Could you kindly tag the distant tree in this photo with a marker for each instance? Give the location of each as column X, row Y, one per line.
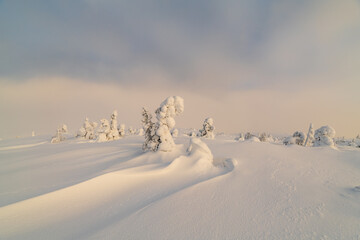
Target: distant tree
column 310, row 136
column 122, row 130
column 114, row 132
column 131, row 131
column 208, row 129
column 87, row 131
column 151, row 139
column 59, row 137
column 103, row 131
column 324, row 136
column 299, row 138
column 240, row 137
column 263, row 137
column 248, row 135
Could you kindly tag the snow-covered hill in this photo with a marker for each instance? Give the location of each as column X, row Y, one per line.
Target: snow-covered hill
column 112, row 190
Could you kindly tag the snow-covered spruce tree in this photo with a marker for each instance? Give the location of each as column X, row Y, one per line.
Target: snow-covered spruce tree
column 114, row 132
column 160, row 136
column 151, row 139
column 131, row 131
column 208, row 129
column 240, row 137
column 248, row 135
column 324, row 136
column 59, row 137
column 103, row 131
column 310, row 136
column 121, row 130
column 263, row 137
column 169, row 108
column 87, row 131
column 297, row 138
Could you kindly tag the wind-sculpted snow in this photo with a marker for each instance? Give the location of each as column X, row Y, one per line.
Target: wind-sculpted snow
column 203, row 189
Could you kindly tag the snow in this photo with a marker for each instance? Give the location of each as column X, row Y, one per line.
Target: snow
column 203, row 189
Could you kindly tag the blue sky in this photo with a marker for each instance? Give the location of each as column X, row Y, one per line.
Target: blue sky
column 266, row 53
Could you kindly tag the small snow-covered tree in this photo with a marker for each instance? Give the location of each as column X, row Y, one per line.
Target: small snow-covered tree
column 151, row 139
column 131, row 131
column 121, row 130
column 114, row 132
column 248, row 135
column 87, row 131
column 263, row 137
column 324, row 136
column 310, row 136
column 297, row 138
column 208, row 129
column 103, row 131
column 59, row 137
column 240, row 137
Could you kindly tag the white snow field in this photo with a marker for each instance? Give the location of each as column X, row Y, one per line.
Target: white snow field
column 112, row 190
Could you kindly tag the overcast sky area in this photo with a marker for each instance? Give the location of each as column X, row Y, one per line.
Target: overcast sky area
column 252, row 65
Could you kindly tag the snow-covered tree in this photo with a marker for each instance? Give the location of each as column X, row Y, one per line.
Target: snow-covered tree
column 208, row 129
column 248, row 135
column 87, row 131
column 324, row 136
column 169, row 108
column 122, row 130
column 240, row 137
column 114, row 132
column 158, row 136
column 59, row 134
column 131, row 131
column 175, row 133
column 310, row 136
column 151, row 139
column 297, row 138
column 33, row 133
column 103, row 131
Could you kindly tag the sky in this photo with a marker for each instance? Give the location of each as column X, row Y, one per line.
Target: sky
column 253, row 65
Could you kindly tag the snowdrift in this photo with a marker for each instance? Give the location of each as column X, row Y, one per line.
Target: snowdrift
column 204, row 189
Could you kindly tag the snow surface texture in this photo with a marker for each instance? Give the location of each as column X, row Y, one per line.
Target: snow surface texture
column 209, row 189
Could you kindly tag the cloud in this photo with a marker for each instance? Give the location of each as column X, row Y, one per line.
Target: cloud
column 258, row 55
column 274, row 42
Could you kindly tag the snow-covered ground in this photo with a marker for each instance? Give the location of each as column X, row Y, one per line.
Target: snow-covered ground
column 112, row 190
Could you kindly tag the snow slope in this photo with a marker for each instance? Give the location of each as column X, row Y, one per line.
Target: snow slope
column 112, row 190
